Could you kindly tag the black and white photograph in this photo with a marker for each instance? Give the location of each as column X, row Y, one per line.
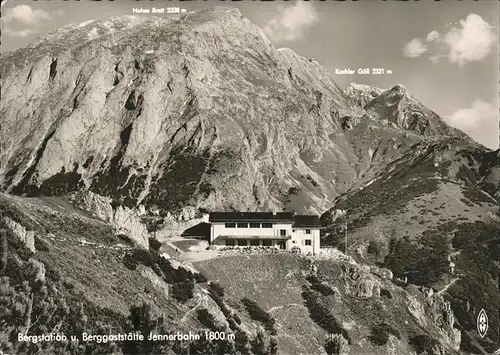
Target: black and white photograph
column 249, row 177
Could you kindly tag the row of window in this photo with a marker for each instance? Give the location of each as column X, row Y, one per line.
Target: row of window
column 257, row 225
column 265, row 243
column 252, row 243
column 245, row 225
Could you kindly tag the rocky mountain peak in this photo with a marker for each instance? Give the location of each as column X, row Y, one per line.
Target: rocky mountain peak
column 401, row 109
column 120, row 106
column 361, row 94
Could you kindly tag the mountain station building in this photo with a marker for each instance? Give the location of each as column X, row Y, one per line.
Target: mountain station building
column 283, row 230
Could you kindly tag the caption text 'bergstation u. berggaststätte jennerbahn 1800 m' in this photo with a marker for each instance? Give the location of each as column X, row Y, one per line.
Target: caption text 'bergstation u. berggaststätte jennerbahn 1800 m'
column 254, row 178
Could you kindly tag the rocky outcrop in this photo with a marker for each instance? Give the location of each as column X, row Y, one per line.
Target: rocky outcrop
column 38, row 270
column 27, row 237
column 364, row 288
column 416, row 309
column 98, row 205
column 402, row 110
column 361, row 94
column 431, row 310
column 359, row 282
column 125, row 220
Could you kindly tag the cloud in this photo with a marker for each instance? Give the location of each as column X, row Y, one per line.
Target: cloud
column 432, row 36
column 414, row 48
column 473, row 116
column 479, row 120
column 464, row 41
column 19, row 33
column 473, row 40
column 292, row 23
column 24, row 15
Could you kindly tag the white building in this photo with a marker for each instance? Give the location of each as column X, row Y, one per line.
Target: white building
column 283, row 230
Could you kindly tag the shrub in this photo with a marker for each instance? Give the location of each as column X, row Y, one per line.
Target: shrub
column 182, row 274
column 293, row 190
column 376, row 247
column 41, row 244
column 258, row 344
column 208, row 320
column 125, row 238
column 154, row 243
column 336, row 344
column 218, row 289
column 167, row 269
column 385, row 293
column 129, row 262
column 52, row 274
column 317, row 285
column 424, row 344
column 258, row 314
column 183, row 291
column 272, row 349
column 200, row 278
column 423, row 263
column 241, row 342
column 139, row 256
column 380, row 334
column 157, row 270
column 321, row 314
column 144, row 257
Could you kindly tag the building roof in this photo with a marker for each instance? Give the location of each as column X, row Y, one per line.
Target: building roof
column 301, row 220
column 251, row 216
column 295, row 219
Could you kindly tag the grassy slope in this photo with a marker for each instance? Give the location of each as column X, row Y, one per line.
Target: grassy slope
column 276, row 283
column 272, row 281
column 95, row 271
column 79, row 276
column 432, row 204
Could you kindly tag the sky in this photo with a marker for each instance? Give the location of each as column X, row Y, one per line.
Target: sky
column 445, row 53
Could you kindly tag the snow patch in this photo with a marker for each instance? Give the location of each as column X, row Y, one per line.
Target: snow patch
column 80, row 25
column 93, row 34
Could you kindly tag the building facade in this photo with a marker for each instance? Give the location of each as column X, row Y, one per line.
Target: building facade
column 283, row 230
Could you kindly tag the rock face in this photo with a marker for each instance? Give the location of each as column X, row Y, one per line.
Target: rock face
column 401, row 109
column 158, row 111
column 360, row 94
column 25, row 236
column 125, row 220
column 38, row 270
column 181, row 111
